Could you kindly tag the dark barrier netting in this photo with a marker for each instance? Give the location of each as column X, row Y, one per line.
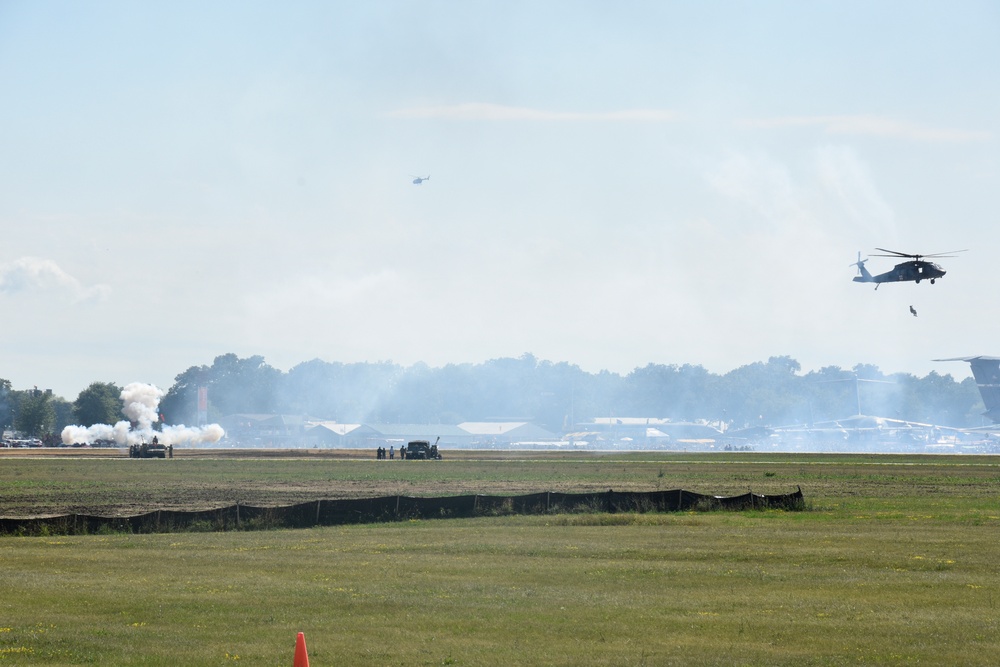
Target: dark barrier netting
column 691, row 500
column 57, row 524
column 430, row 508
column 360, row 510
column 394, row 508
column 222, row 518
column 302, row 515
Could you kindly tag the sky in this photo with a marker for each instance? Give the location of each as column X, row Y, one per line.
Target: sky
column 612, row 184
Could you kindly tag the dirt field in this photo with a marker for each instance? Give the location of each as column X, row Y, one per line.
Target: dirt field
column 105, row 482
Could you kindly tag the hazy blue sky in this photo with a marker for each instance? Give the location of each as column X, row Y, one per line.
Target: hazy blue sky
column 613, row 183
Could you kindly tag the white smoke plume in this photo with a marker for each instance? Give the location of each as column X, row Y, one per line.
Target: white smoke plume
column 141, row 406
column 141, row 403
column 179, row 434
column 89, row 434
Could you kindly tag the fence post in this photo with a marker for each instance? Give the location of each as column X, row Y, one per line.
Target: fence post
column 237, row 514
column 318, row 501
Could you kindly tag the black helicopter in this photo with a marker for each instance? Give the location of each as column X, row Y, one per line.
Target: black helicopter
column 914, row 270
column 417, row 180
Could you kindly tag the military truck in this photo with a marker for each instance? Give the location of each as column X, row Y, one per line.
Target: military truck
column 421, row 449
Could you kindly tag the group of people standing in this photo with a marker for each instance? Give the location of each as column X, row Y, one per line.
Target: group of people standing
column 381, row 452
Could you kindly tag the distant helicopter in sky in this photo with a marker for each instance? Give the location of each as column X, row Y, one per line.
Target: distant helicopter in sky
column 914, row 270
column 417, row 180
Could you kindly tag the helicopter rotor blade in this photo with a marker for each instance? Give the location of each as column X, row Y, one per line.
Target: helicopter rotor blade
column 947, row 254
column 895, row 253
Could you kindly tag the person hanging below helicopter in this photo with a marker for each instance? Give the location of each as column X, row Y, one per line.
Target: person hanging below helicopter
column 913, row 311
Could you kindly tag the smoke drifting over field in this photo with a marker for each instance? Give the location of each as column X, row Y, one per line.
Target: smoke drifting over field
column 141, row 403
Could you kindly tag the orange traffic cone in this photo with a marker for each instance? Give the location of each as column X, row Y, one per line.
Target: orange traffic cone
column 301, row 657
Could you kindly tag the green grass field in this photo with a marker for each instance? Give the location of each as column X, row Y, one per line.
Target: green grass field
column 895, row 562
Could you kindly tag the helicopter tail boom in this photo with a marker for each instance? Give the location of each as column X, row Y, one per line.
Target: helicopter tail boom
column 864, row 276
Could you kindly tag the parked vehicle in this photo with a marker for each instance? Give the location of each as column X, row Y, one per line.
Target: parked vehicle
column 150, row 450
column 421, row 449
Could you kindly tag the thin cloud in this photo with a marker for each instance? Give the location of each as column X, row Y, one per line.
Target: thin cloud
column 848, row 180
column 877, row 126
column 499, row 112
column 32, row 274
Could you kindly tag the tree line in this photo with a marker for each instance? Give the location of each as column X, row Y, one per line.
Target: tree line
column 557, row 396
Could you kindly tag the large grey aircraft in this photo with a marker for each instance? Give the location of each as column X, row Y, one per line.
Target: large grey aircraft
column 986, row 371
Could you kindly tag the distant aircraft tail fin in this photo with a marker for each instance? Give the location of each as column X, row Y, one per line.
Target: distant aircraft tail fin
column 986, row 371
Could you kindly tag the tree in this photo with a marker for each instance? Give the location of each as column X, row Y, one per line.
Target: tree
column 63, row 411
column 681, row 393
column 180, row 406
column 560, row 396
column 769, row 393
column 332, row 390
column 100, row 403
column 830, row 393
column 35, row 414
column 234, row 385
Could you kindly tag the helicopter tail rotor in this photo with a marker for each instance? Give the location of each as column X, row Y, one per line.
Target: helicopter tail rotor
column 863, row 275
column 860, row 263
